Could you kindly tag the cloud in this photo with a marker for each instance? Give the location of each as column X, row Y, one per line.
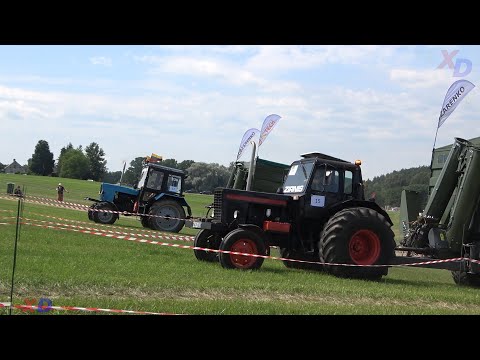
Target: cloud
column 282, row 58
column 101, row 60
column 416, row 79
column 225, row 71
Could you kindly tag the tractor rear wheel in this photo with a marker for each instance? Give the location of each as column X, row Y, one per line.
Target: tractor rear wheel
column 465, row 279
column 242, row 241
column 359, row 236
column 168, row 215
column 295, row 255
column 206, row 239
column 104, row 217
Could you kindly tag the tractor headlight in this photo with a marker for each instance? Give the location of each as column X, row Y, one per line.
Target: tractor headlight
column 213, row 213
column 268, row 212
column 235, row 214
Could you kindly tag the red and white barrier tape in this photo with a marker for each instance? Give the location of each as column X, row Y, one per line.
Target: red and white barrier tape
column 46, row 203
column 56, row 201
column 76, row 308
column 165, row 236
column 82, row 207
column 246, row 254
column 105, row 225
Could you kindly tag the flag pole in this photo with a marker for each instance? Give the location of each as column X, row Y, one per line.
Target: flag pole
column 433, row 149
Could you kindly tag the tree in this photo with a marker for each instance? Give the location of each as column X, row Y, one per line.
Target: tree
column 206, row 177
column 185, row 164
column 42, row 159
column 2, row 167
column 74, row 165
column 96, row 161
column 170, row 163
column 132, row 175
column 112, row 177
column 62, row 154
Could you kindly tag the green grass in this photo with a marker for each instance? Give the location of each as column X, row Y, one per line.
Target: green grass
column 75, row 269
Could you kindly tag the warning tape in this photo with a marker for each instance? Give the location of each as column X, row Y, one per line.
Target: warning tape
column 46, row 203
column 128, row 238
column 82, row 207
column 89, row 223
column 169, row 237
column 237, row 253
column 56, row 201
column 76, row 308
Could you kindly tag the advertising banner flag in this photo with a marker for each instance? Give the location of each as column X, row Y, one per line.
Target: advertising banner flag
column 268, row 124
column 247, row 137
column 455, row 94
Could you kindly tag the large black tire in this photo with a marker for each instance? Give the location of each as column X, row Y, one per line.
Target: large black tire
column 169, row 216
column 244, row 241
column 104, row 217
column 285, row 253
column 209, row 240
column 145, row 222
column 465, row 279
column 358, row 236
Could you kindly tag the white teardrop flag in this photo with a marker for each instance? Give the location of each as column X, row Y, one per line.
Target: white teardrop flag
column 268, row 124
column 455, row 94
column 247, row 137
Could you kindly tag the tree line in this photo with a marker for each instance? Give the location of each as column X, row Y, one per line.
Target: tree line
column 90, row 163
column 74, row 163
column 387, row 189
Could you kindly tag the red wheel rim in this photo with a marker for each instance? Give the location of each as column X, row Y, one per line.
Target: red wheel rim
column 364, row 247
column 243, row 246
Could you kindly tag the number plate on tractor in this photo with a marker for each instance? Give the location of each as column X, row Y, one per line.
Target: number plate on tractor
column 197, row 225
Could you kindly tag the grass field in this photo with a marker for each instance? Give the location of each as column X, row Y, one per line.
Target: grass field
column 84, row 270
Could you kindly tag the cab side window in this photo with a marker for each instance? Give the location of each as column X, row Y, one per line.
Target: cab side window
column 331, row 181
column 347, row 185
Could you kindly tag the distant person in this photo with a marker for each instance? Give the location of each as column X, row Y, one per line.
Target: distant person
column 18, row 192
column 60, row 191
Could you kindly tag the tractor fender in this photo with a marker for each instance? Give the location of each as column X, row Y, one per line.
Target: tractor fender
column 178, row 199
column 360, row 203
column 254, row 228
column 115, row 208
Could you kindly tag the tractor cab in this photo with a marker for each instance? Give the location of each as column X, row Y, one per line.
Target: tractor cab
column 320, row 181
column 156, row 181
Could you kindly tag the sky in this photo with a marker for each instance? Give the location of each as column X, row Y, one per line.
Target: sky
column 376, row 103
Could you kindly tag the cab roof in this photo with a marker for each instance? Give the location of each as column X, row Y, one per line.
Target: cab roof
column 166, row 168
column 322, row 156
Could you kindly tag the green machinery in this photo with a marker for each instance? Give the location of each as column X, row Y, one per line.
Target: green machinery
column 449, row 226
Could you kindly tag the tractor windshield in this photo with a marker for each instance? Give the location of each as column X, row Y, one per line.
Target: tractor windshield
column 297, row 178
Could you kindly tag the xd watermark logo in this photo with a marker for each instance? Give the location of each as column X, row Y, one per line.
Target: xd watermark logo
column 448, row 60
column 44, row 305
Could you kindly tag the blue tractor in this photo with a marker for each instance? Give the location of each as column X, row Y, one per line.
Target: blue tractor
column 157, row 198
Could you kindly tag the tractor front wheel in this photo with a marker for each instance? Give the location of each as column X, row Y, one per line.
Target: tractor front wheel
column 104, row 217
column 242, row 241
column 145, row 222
column 91, row 211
